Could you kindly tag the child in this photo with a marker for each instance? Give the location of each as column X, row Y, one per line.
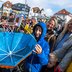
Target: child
column 39, row 57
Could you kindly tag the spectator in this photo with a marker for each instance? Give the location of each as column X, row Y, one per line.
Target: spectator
column 11, row 18
column 39, row 57
column 51, row 33
column 64, row 35
column 62, row 55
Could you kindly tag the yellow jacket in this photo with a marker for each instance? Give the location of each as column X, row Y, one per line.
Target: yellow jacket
column 27, row 29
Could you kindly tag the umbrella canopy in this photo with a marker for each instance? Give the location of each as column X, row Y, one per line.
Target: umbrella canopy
column 15, row 47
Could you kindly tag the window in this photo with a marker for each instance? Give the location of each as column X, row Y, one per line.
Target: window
column 23, row 8
column 19, row 5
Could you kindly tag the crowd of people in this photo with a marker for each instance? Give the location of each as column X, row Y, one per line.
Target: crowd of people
column 53, row 52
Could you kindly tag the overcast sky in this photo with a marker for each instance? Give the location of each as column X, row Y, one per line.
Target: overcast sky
column 50, row 6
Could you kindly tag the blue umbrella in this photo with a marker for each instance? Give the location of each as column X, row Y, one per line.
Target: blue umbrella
column 15, row 47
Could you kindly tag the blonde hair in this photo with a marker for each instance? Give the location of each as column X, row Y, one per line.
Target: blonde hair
column 55, row 20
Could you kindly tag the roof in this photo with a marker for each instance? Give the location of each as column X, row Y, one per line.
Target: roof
column 62, row 12
column 8, row 4
column 36, row 9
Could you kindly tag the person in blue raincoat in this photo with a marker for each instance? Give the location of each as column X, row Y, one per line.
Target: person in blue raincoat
column 39, row 57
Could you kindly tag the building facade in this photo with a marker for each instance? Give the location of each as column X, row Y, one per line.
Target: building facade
column 21, row 8
column 64, row 15
column 7, row 8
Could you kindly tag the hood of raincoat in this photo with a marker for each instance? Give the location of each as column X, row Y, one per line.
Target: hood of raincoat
column 44, row 29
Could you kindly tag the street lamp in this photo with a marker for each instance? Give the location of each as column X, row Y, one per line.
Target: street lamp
column 1, row 7
column 25, row 2
column 25, row 6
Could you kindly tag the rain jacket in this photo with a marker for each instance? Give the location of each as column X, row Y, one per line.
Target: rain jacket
column 35, row 61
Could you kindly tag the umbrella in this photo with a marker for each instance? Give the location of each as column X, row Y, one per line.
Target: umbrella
column 14, row 47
